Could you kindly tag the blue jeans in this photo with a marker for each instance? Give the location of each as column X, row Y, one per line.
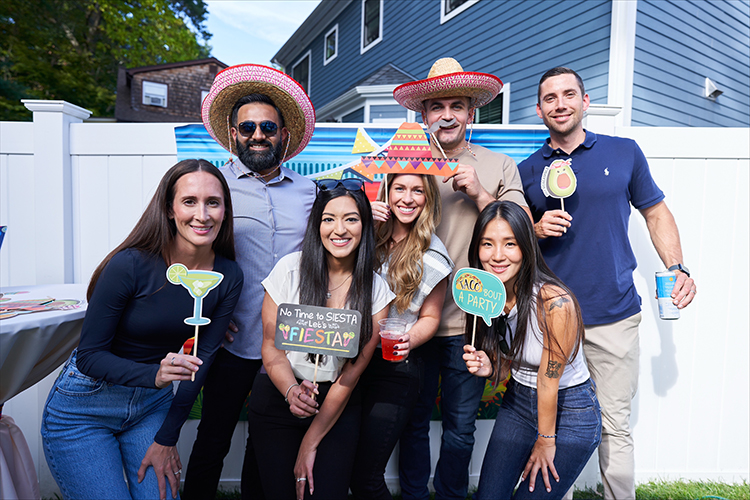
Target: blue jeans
column 579, row 431
column 461, row 393
column 92, row 430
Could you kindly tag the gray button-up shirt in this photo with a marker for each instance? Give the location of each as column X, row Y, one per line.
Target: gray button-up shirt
column 269, row 222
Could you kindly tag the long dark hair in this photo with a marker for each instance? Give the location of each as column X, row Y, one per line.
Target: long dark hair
column 314, row 264
column 534, row 271
column 155, row 231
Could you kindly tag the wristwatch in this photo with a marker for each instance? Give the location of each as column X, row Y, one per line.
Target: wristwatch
column 680, row 267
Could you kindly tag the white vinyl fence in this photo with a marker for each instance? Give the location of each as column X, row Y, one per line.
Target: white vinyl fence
column 71, row 191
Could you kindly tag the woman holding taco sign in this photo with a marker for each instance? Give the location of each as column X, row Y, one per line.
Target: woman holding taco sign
column 549, row 423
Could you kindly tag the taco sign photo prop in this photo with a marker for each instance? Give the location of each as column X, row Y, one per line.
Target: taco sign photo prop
column 318, row 330
column 479, row 293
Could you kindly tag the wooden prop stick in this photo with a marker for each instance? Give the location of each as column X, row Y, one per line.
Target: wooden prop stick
column 562, row 204
column 437, row 143
column 195, row 350
column 474, row 331
column 432, row 130
column 385, row 183
column 315, row 375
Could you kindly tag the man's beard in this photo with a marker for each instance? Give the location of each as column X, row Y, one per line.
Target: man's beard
column 258, row 161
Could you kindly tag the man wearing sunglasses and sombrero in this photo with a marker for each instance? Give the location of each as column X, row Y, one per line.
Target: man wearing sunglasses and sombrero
column 447, row 99
column 265, row 118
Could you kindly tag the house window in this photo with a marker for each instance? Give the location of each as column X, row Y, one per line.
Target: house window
column 204, row 93
column 387, row 113
column 155, row 94
column 496, row 111
column 331, row 45
column 301, row 72
column 372, row 24
column 451, row 8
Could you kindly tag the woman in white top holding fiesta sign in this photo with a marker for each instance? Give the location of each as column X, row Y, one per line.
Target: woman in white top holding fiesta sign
column 305, row 434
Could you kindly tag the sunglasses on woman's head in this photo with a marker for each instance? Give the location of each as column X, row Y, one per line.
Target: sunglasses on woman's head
column 348, row 184
column 268, row 128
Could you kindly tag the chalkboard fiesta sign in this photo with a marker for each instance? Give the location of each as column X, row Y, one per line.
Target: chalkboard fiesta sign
column 318, row 330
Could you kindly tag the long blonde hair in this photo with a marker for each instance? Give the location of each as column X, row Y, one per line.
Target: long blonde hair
column 405, row 258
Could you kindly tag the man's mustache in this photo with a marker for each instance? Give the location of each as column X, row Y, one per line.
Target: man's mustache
column 259, row 143
column 440, row 124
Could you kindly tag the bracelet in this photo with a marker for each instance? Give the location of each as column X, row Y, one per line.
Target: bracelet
column 553, row 436
column 286, row 396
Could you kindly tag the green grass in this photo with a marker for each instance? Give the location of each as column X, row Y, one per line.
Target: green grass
column 653, row 490
column 692, row 490
column 677, row 490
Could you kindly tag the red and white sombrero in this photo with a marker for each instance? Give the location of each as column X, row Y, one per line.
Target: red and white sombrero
column 238, row 81
column 448, row 79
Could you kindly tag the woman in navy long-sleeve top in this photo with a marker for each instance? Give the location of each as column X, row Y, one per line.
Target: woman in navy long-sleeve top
column 112, row 408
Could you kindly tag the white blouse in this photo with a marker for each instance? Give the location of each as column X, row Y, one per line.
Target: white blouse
column 283, row 287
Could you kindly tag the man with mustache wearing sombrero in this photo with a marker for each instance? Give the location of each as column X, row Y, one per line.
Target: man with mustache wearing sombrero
column 447, row 99
column 264, row 117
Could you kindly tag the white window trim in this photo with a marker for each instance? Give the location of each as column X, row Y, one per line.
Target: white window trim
column 444, row 18
column 362, row 48
column 307, row 54
column 325, row 45
column 160, row 86
column 505, row 96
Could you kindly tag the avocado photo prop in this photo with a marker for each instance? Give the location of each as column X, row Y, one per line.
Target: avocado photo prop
column 558, row 180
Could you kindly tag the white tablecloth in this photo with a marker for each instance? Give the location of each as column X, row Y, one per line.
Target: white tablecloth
column 34, row 344
column 31, row 346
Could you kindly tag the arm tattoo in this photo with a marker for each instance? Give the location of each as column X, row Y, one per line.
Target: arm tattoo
column 553, row 369
column 559, row 303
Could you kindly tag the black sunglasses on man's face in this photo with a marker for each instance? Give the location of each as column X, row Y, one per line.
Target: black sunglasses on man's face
column 248, row 128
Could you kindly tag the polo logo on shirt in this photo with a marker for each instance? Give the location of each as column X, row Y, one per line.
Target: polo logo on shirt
column 606, row 171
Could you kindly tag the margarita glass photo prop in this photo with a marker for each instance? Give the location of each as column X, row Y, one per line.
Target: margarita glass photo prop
column 479, row 293
column 408, row 153
column 318, row 330
column 559, row 181
column 198, row 283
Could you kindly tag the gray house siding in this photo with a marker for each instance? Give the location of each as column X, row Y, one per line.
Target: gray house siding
column 517, row 41
column 680, row 43
column 356, row 116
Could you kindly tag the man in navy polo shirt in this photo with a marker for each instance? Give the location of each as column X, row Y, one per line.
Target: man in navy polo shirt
column 587, row 246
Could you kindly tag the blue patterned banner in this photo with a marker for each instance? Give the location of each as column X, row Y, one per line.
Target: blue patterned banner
column 331, row 144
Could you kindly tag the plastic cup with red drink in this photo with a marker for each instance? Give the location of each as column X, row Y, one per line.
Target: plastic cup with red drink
column 391, row 330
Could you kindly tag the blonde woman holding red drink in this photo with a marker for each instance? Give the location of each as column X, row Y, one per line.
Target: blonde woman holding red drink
column 416, row 265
